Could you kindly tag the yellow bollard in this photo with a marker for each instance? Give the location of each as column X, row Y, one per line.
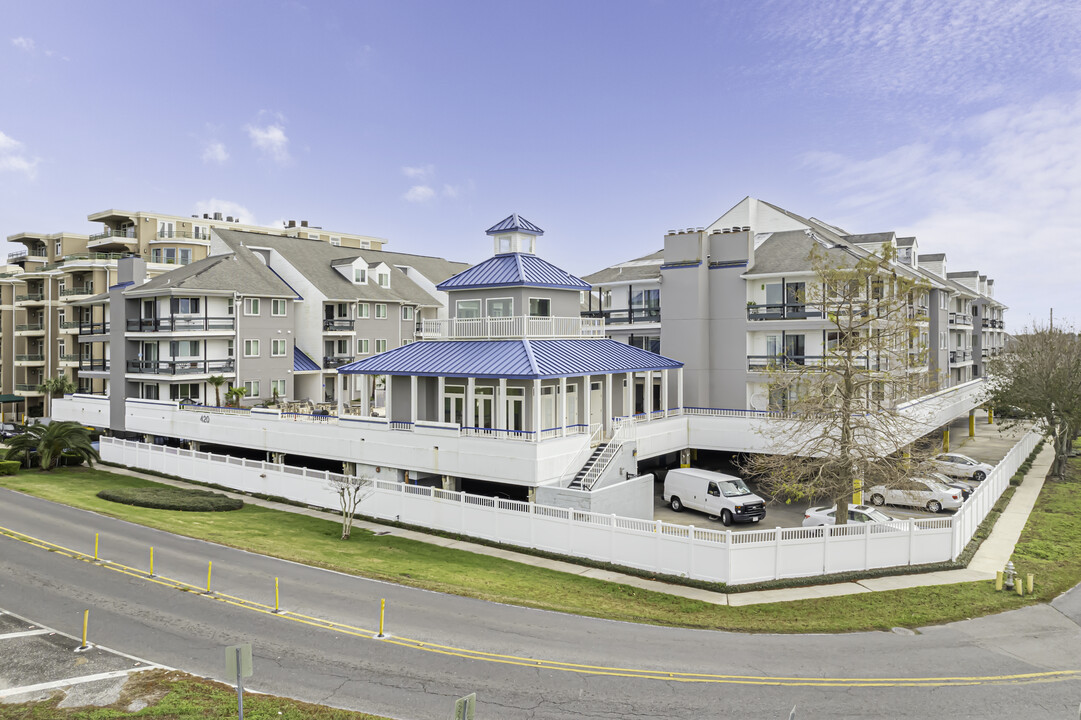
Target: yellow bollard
column 972, row 423
column 382, row 611
column 990, row 416
column 857, row 492
column 151, row 561
column 95, row 547
column 86, row 621
column 209, row 566
column 998, row 580
column 276, row 608
column 946, row 440
column 1019, row 586
column 1031, row 579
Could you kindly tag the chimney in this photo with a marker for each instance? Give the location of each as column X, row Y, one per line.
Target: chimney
column 217, row 216
column 206, row 216
column 303, row 223
column 228, row 218
column 292, row 224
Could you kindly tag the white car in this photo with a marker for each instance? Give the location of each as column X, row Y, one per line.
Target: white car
column 961, row 466
column 817, row 516
column 918, row 492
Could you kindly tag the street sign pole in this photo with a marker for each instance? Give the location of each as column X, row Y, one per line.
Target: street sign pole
column 239, row 686
column 238, row 662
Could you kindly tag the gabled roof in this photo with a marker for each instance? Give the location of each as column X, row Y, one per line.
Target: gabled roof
column 234, row 272
column 514, row 269
column 514, row 223
column 301, row 361
column 519, row 359
column 647, row 267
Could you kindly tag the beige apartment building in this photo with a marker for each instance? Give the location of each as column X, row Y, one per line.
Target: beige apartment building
column 39, row 322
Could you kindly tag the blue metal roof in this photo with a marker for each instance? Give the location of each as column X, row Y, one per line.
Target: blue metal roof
column 514, row 223
column 528, row 359
column 514, row 269
column 302, row 362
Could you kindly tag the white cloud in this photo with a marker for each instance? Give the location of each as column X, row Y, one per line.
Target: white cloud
column 271, row 140
column 24, row 43
column 421, row 173
column 14, row 159
column 215, row 153
column 226, row 208
column 419, row 194
column 1001, row 193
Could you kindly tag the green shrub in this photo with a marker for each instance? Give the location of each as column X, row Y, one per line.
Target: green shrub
column 9, row 467
column 172, row 498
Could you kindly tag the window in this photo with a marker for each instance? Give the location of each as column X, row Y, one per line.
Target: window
column 313, row 236
column 407, row 312
column 335, row 241
column 362, row 346
column 184, row 390
column 365, row 243
column 364, row 311
column 252, row 386
column 59, row 248
column 360, row 276
column 230, row 306
column 200, row 231
column 278, row 308
column 380, row 311
column 185, row 256
column 277, row 387
column 466, row 309
column 229, row 348
column 380, row 346
column 150, row 392
column 277, row 348
column 500, row 307
column 540, row 307
column 184, row 306
column 383, row 278
column 183, row 348
column 505, row 244
column 342, row 346
column 251, row 348
column 251, row 306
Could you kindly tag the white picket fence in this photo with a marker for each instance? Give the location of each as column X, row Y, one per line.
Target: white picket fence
column 655, row 546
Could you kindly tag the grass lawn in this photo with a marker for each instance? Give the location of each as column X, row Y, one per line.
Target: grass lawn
column 175, row 695
column 1049, row 548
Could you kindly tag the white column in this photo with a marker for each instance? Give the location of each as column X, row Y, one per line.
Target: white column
column 536, row 410
column 609, row 410
column 665, row 402
column 628, row 397
column 647, row 395
column 413, row 400
column 386, row 384
column 586, row 415
column 343, row 387
column 470, row 390
column 563, row 406
column 365, row 397
column 441, row 392
column 501, row 405
column 679, row 389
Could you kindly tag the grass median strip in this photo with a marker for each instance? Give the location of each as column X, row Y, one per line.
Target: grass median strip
column 1048, row 548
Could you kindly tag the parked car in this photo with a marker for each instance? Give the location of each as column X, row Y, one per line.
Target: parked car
column 9, row 430
column 966, row 487
column 716, row 494
column 827, row 515
column 961, row 466
column 918, row 492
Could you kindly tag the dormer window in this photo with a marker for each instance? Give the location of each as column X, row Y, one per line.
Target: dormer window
column 383, row 278
column 360, row 276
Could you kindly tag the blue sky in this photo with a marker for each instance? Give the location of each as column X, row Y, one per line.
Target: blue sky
column 606, row 123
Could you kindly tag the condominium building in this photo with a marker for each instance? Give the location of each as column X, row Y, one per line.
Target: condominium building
column 729, row 299
column 41, row 284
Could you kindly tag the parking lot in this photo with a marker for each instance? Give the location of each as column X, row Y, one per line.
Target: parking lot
column 990, row 445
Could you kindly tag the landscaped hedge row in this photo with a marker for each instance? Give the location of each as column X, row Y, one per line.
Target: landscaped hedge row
column 173, row 498
column 9, row 467
column 1023, row 469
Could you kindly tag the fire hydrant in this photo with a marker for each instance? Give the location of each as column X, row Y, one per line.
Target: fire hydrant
column 1010, row 575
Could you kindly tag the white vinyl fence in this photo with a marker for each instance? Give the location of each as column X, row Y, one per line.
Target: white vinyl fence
column 655, row 546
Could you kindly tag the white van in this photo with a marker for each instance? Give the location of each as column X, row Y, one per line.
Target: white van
column 716, row 494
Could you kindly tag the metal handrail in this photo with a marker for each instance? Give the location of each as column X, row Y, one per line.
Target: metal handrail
column 179, row 324
column 128, row 233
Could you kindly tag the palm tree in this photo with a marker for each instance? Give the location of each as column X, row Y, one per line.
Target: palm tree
column 51, row 442
column 58, row 386
column 235, row 395
column 217, row 381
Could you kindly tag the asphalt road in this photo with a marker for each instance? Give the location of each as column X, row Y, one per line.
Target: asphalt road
column 513, row 658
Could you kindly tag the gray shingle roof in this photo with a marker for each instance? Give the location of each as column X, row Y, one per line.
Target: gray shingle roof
column 236, row 272
column 789, row 251
column 647, row 267
column 871, row 238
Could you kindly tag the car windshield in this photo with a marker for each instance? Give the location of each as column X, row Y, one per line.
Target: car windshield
column 876, row 516
column 733, row 488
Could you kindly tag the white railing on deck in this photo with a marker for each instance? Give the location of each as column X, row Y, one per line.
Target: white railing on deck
column 518, row 326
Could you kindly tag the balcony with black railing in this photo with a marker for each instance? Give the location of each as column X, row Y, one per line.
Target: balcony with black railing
column 336, row 361
column 77, row 290
column 93, row 365
column 768, row 363
column 181, row 324
column 960, row 357
column 626, row 316
column 93, row 328
column 783, row 311
column 193, row 366
column 960, row 319
column 338, row 325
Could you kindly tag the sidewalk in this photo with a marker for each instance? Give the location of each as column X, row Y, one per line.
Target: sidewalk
column 992, row 555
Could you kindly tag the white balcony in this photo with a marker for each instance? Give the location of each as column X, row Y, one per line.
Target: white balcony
column 511, row 328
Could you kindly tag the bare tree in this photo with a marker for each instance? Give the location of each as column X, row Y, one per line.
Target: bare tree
column 1039, row 378
column 840, row 426
column 351, row 491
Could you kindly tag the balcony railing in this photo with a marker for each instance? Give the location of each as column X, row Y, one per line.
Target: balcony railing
column 93, row 328
column 30, row 297
column 181, row 324
column 110, row 233
column 83, row 256
column 960, row 319
column 919, row 314
column 27, row 387
column 337, row 361
column 783, row 311
column 84, row 290
column 93, row 365
column 518, row 326
column 626, row 317
column 960, row 356
column 339, row 325
column 182, row 234
column 29, row 327
column 69, row 357
column 69, row 324
column 31, row 357
column 182, row 367
column 758, row 363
